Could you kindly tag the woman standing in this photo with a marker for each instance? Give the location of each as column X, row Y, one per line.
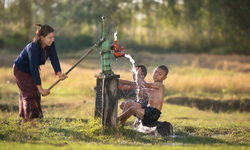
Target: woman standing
column 26, row 72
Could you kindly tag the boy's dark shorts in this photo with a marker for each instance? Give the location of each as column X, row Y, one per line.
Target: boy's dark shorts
column 143, row 104
column 150, row 115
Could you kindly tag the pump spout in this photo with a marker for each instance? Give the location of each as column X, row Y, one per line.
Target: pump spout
column 118, row 54
column 117, row 50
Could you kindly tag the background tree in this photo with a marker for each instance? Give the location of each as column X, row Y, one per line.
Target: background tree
column 162, row 26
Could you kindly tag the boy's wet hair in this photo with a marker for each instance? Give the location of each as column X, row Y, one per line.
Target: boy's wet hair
column 143, row 69
column 163, row 67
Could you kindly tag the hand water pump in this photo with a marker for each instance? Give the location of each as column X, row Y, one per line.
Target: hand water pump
column 107, row 82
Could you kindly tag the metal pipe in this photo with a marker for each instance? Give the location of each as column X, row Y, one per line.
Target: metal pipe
column 103, row 27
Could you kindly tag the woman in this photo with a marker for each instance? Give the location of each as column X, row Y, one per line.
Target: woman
column 26, row 72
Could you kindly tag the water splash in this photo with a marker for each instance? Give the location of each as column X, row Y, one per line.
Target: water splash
column 135, row 72
column 115, row 36
column 145, row 129
column 131, row 59
column 132, row 62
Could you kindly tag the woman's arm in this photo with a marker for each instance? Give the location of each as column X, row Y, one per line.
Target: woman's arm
column 54, row 59
column 33, row 55
column 55, row 63
column 44, row 92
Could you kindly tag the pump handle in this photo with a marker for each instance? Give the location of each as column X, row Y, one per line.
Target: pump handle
column 94, row 47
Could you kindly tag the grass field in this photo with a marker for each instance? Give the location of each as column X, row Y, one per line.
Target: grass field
column 206, row 101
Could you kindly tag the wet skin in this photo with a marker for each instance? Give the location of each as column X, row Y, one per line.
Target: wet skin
column 156, row 96
column 141, row 91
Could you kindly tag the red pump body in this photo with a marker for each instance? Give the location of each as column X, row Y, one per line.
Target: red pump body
column 117, row 50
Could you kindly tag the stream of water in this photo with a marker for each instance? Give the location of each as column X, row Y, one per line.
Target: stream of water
column 134, row 72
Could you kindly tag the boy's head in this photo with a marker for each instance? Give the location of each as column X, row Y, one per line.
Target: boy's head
column 163, row 67
column 143, row 70
column 160, row 73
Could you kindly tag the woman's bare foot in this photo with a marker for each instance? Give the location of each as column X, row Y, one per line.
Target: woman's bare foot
column 23, row 122
column 32, row 123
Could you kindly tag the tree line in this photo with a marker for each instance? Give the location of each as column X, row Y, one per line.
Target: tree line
column 161, row 26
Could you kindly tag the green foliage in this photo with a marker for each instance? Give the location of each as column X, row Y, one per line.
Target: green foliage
column 162, row 26
column 1, row 43
column 69, row 44
column 16, row 42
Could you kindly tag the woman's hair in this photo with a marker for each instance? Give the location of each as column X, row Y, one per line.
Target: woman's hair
column 42, row 30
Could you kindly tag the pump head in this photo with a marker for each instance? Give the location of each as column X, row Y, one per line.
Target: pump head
column 117, row 50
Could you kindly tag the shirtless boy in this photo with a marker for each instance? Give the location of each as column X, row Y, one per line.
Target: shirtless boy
column 141, row 92
column 152, row 111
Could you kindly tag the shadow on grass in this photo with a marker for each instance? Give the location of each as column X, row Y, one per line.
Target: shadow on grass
column 8, row 108
column 46, row 120
column 60, row 131
column 11, row 130
column 210, row 104
column 11, row 108
column 187, row 138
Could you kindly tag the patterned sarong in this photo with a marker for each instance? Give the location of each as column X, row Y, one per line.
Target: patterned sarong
column 29, row 96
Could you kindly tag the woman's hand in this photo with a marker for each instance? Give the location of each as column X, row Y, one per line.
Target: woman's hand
column 44, row 92
column 62, row 76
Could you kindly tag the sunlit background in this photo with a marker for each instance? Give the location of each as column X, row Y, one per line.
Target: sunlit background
column 204, row 43
column 162, row 26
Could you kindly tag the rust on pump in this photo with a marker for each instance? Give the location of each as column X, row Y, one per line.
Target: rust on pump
column 115, row 47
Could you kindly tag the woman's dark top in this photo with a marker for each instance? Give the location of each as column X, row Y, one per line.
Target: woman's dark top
column 33, row 56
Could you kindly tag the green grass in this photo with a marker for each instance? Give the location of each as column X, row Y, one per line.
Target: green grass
column 68, row 121
column 94, row 146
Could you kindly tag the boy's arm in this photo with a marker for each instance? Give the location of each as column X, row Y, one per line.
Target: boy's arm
column 125, row 87
column 142, row 82
column 126, row 82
